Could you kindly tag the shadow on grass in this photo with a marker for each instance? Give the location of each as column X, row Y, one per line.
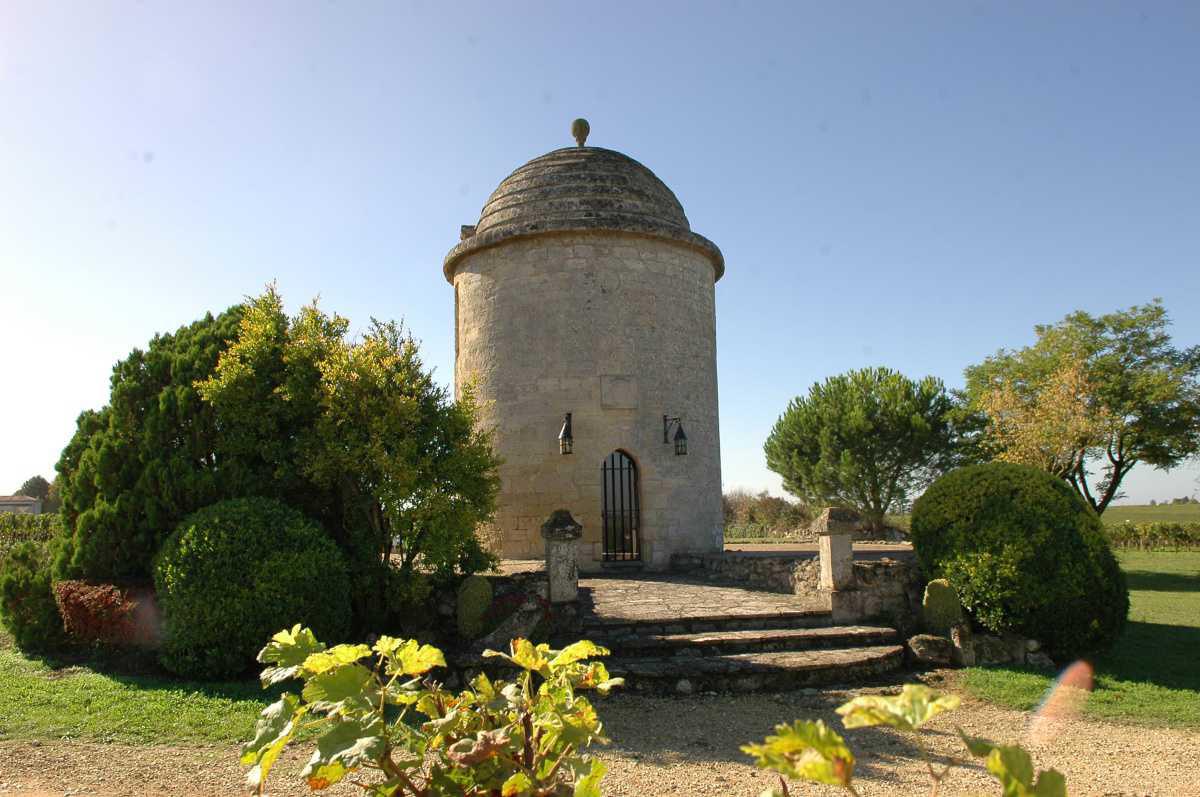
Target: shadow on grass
column 1150, row 581
column 1154, row 653
column 141, row 670
column 1147, row 653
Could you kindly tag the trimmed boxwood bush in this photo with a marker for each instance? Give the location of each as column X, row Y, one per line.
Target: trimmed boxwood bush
column 234, row 573
column 27, row 605
column 1025, row 554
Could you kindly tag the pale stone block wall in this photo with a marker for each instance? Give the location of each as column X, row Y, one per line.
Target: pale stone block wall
column 617, row 329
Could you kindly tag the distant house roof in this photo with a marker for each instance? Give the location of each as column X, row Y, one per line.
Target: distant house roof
column 19, row 499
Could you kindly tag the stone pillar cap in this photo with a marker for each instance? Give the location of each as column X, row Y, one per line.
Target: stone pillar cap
column 836, row 520
column 561, row 526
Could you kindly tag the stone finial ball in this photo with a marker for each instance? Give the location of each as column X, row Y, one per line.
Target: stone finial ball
column 580, row 129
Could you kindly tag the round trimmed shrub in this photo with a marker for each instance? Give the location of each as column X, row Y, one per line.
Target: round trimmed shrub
column 234, row 573
column 1026, row 555
column 27, row 605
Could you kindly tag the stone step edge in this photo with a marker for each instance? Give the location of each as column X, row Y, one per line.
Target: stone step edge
column 762, row 672
column 828, row 636
column 606, row 625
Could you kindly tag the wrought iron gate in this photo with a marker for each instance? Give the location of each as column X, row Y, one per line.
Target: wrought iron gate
column 621, row 509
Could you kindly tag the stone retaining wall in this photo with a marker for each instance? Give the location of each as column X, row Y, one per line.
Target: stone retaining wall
column 795, row 575
column 883, row 588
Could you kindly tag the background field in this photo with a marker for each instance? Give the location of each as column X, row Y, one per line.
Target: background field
column 1169, row 513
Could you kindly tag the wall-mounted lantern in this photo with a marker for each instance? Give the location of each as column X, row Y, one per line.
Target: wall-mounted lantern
column 680, row 438
column 565, row 441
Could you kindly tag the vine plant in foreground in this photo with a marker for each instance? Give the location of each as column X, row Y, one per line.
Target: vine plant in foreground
column 382, row 724
column 813, row 751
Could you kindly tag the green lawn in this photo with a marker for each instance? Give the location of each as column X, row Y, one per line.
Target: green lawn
column 1152, row 676
column 38, row 702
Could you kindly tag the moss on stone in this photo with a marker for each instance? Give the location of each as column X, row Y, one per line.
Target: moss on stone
column 941, row 609
column 474, row 600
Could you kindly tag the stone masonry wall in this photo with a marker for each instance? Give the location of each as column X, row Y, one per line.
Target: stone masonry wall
column 888, row 589
column 794, row 575
column 617, row 329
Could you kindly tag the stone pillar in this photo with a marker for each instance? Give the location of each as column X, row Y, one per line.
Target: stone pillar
column 561, row 532
column 837, row 561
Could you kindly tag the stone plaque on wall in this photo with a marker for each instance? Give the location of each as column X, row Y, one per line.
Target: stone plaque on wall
column 618, row 392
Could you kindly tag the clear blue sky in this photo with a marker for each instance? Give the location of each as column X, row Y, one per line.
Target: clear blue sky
column 906, row 184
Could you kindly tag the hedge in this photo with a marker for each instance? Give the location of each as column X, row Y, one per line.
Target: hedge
column 18, row 528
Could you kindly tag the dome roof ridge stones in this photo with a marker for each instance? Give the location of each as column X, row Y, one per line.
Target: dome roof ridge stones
column 580, row 189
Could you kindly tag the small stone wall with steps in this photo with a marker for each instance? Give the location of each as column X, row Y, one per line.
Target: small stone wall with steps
column 883, row 587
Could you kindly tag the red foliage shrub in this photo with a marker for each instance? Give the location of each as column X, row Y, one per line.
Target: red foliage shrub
column 96, row 612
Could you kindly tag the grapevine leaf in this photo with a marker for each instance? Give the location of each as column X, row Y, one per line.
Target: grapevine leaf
column 1012, row 766
column 587, row 784
column 913, row 707
column 583, row 649
column 272, row 732
column 978, row 747
column 517, row 784
column 525, row 655
column 336, row 656
column 469, row 752
column 347, row 746
column 1050, row 783
column 387, row 646
column 580, row 724
column 345, row 689
column 806, row 750
column 595, row 676
column 287, row 651
column 413, row 659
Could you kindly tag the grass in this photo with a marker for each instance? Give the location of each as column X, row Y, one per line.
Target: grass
column 1167, row 513
column 1152, row 676
column 38, row 701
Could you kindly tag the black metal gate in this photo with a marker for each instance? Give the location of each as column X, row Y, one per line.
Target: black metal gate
column 621, row 510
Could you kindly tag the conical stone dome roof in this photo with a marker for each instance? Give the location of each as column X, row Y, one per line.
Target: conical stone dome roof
column 581, row 189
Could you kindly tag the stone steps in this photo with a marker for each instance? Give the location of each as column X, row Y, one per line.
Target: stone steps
column 742, row 651
column 724, row 642
column 774, row 671
column 609, row 628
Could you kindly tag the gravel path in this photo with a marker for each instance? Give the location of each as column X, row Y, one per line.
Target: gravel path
column 677, row 746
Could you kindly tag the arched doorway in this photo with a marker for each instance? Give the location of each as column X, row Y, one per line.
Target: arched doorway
column 621, row 508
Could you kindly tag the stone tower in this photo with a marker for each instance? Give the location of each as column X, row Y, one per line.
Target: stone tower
column 583, row 290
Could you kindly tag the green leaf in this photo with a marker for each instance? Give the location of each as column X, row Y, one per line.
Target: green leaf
column 342, row 690
column 907, row 711
column 517, row 784
column 978, row 747
column 596, row 676
column 1050, row 783
column 583, row 649
column 1013, row 767
column 413, row 659
column 287, row 650
column 349, row 745
column 806, row 750
column 272, row 732
column 525, row 655
column 589, row 784
column 336, row 656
